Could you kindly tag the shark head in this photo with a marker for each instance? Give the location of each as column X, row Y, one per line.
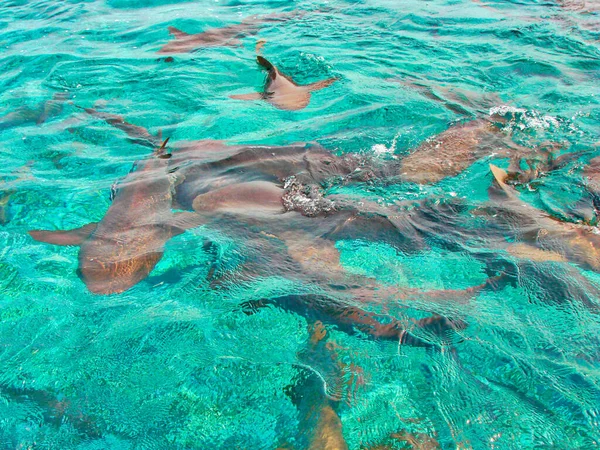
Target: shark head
column 116, row 276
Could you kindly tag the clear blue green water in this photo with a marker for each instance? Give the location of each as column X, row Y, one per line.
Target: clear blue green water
column 173, row 362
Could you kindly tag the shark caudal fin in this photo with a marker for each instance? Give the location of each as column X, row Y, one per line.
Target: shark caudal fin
column 177, row 33
column 64, row 237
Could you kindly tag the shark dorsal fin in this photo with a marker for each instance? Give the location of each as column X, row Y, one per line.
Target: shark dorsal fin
column 501, row 176
column 177, row 33
column 273, row 72
column 160, row 152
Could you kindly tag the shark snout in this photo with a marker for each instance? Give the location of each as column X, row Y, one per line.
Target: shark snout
column 115, row 277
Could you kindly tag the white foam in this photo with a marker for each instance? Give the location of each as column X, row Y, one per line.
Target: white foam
column 382, row 149
column 504, row 109
column 524, row 119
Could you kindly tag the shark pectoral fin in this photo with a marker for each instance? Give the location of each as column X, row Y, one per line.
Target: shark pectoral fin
column 184, row 221
column 317, row 257
column 320, row 84
column 177, row 33
column 64, row 237
column 253, row 96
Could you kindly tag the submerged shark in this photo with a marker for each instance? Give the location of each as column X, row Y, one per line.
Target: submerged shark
column 281, row 91
column 38, row 115
column 277, row 190
column 539, row 230
column 592, row 174
column 304, row 164
column 228, row 36
column 318, row 402
column 449, row 153
column 123, row 248
column 318, row 390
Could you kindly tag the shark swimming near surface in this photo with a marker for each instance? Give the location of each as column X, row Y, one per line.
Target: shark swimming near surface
column 547, row 236
column 274, row 194
column 228, row 36
column 35, row 116
column 481, row 135
column 281, row 91
column 123, row 248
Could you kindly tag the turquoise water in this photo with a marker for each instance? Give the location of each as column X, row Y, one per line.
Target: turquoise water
column 174, row 362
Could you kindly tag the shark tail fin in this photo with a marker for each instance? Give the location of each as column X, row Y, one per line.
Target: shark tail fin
column 177, row 33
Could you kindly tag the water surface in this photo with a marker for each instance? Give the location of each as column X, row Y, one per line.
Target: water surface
column 173, row 362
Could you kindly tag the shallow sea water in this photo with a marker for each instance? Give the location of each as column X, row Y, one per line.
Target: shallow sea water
column 174, row 362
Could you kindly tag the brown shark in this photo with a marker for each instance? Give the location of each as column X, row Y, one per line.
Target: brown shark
column 228, row 36
column 454, row 150
column 123, row 248
column 38, row 115
column 308, row 164
column 592, row 174
column 576, row 242
column 281, row 91
column 317, row 402
column 448, row 153
column 140, row 135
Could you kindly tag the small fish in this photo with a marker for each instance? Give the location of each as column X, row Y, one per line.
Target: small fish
column 123, row 248
column 281, row 91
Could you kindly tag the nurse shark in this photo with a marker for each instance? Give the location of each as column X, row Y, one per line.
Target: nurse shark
column 123, row 248
column 227, row 36
column 281, row 91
